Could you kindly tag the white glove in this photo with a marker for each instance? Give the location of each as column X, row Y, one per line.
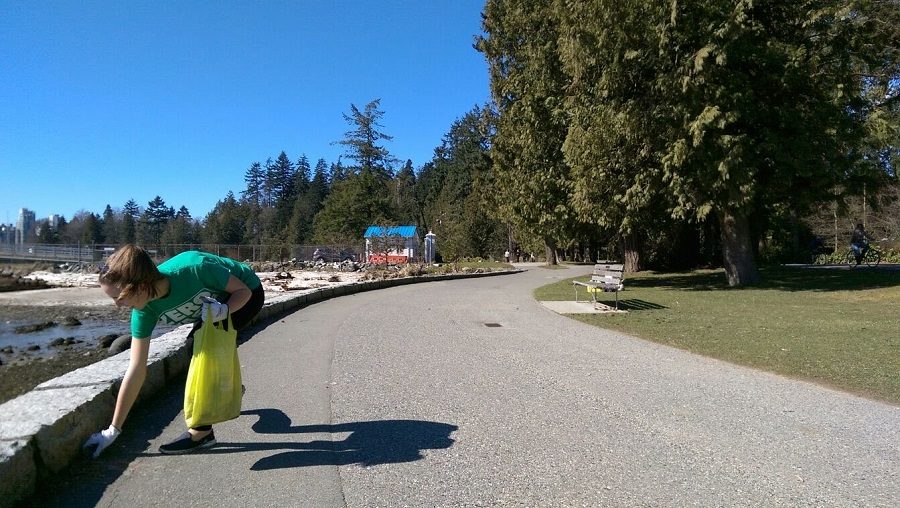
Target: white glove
column 219, row 310
column 99, row 441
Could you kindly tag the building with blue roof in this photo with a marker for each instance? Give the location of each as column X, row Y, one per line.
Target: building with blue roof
column 392, row 244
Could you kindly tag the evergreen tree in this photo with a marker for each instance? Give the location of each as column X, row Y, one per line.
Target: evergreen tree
column 254, row 178
column 225, row 223
column 90, row 233
column 268, row 185
column 428, row 188
column 613, row 140
column 153, row 221
column 279, row 179
column 766, row 118
column 130, row 214
column 363, row 197
column 47, row 233
column 404, row 191
column 454, row 189
column 320, row 183
column 362, row 143
column 353, row 205
column 300, row 181
column 177, row 232
column 532, row 182
column 129, row 229
column 253, row 199
column 337, row 173
column 307, row 205
column 111, row 226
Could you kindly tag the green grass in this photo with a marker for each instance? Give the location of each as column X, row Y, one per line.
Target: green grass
column 836, row 327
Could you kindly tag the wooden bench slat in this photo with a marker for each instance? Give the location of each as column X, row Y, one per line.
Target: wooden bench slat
column 606, row 277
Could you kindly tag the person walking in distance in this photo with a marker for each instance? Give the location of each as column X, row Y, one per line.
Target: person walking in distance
column 178, row 291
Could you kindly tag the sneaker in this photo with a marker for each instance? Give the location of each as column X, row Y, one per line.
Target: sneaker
column 184, row 444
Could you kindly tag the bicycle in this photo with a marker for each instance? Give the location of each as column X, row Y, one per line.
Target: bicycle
column 871, row 258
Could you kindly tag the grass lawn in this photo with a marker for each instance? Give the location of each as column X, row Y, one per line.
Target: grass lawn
column 836, row 327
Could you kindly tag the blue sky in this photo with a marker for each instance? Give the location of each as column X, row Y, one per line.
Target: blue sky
column 101, row 102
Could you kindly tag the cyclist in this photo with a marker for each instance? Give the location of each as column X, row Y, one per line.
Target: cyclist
column 859, row 242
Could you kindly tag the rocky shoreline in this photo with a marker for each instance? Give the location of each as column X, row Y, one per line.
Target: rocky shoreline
column 26, row 366
column 35, row 299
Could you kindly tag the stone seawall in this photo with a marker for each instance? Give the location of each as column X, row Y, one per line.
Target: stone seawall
column 41, row 432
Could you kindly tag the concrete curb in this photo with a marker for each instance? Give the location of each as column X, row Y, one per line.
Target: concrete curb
column 41, row 432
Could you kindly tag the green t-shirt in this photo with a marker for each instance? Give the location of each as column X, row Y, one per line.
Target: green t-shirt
column 191, row 275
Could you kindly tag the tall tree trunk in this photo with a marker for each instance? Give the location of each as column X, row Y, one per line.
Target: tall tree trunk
column 550, row 250
column 737, row 250
column 795, row 236
column 633, row 245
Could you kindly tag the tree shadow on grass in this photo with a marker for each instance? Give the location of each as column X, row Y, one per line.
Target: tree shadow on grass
column 634, row 304
column 779, row 278
column 368, row 443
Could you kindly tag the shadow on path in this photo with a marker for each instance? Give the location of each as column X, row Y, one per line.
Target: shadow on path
column 369, row 443
column 84, row 482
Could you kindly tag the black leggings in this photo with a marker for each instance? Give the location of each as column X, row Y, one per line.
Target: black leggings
column 243, row 316
column 239, row 319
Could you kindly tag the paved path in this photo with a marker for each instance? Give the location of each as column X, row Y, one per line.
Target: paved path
column 404, row 397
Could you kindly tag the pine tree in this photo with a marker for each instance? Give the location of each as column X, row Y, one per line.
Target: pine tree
column 254, row 178
column 279, row 179
column 153, row 221
column 130, row 213
column 363, row 197
column 300, row 181
column 363, row 142
column 337, row 173
column 612, row 144
column 766, row 118
column 225, row 223
column 531, row 180
column 453, row 189
column 110, row 226
column 352, row 205
column 253, row 198
column 90, row 233
column 404, row 190
column 307, row 205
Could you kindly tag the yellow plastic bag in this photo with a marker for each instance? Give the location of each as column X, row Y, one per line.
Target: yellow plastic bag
column 213, row 390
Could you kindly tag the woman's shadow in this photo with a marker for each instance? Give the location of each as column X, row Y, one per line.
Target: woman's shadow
column 369, row 443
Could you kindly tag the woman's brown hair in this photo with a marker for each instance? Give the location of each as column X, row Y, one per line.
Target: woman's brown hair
column 131, row 270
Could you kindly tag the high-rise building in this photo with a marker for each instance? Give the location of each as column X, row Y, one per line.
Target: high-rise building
column 24, row 225
column 7, row 234
column 53, row 220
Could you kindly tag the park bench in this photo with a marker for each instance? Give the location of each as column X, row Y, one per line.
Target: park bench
column 606, row 278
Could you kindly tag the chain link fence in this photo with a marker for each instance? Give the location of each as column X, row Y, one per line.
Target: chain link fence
column 96, row 253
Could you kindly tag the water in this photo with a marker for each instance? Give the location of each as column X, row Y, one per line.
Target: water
column 88, row 332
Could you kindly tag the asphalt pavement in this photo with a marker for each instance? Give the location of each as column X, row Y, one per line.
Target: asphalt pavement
column 470, row 393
